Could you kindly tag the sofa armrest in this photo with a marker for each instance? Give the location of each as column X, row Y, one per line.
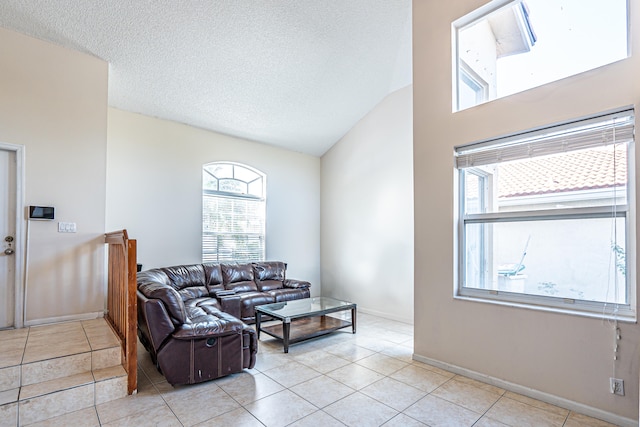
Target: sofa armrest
column 229, row 301
column 154, row 321
column 208, row 326
column 296, row 284
column 169, row 297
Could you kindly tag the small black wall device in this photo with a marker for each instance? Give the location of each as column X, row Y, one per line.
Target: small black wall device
column 41, row 212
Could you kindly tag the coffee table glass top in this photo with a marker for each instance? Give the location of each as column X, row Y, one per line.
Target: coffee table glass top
column 304, row 307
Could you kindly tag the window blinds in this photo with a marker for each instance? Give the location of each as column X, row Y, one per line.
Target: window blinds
column 595, row 132
column 233, row 229
column 232, row 247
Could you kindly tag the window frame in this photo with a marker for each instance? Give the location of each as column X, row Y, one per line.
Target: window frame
column 472, row 80
column 485, row 11
column 620, row 311
column 240, row 196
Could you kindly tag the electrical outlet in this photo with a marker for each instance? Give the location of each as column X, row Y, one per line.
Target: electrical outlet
column 617, row 386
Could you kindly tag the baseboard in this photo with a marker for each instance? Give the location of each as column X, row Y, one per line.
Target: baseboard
column 61, row 319
column 532, row 393
column 386, row 315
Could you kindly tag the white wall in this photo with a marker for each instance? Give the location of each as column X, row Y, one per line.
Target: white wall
column 54, row 102
column 154, row 190
column 367, row 212
column 564, row 355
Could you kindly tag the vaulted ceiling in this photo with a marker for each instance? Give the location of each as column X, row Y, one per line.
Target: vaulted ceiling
column 297, row 74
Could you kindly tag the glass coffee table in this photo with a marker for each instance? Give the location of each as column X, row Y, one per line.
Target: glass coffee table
column 304, row 319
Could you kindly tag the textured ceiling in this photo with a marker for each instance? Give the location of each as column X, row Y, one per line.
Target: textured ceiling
column 292, row 73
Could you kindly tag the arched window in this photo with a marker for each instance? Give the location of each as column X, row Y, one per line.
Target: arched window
column 233, row 213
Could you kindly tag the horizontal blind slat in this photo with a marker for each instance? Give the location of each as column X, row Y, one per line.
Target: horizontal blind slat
column 553, row 140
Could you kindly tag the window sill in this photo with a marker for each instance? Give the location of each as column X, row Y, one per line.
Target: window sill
column 623, row 317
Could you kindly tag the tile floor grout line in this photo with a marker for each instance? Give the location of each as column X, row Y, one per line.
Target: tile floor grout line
column 84, row 331
column 533, row 406
column 24, row 349
column 409, row 416
column 231, row 410
column 166, row 403
column 488, row 409
column 319, row 410
column 385, row 376
column 153, row 385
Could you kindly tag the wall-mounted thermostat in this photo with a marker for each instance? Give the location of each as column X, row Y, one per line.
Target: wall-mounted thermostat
column 41, row 212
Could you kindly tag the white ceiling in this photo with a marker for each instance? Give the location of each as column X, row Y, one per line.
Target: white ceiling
column 292, row 73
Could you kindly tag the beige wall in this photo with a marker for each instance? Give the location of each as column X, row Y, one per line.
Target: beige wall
column 154, row 190
column 564, row 355
column 367, row 212
column 53, row 101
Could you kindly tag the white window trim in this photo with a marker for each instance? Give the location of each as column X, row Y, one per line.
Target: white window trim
column 622, row 312
column 482, row 94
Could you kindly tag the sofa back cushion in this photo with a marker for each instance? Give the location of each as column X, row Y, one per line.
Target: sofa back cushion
column 269, row 275
column 213, row 276
column 188, row 280
column 238, row 277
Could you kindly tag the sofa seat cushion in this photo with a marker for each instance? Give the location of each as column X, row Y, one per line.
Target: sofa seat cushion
column 243, row 286
column 193, row 292
column 288, row 294
column 269, row 285
column 249, row 300
column 205, row 321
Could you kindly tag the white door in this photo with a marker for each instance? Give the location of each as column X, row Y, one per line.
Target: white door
column 7, row 237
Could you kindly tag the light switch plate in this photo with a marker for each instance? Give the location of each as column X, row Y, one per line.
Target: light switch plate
column 66, row 227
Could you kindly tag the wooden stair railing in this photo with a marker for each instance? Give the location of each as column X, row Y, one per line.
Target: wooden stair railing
column 122, row 301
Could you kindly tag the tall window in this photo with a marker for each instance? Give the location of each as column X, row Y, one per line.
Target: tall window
column 233, row 213
column 546, row 216
column 515, row 45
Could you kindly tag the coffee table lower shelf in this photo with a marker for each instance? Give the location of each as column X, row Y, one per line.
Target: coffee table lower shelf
column 306, row 328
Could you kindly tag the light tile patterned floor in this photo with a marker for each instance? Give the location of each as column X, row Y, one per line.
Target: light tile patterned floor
column 53, row 369
column 367, row 379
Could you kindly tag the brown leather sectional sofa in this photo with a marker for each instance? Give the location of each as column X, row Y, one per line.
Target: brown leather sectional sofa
column 191, row 318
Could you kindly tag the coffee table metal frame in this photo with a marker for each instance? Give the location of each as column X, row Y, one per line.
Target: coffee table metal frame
column 309, row 318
